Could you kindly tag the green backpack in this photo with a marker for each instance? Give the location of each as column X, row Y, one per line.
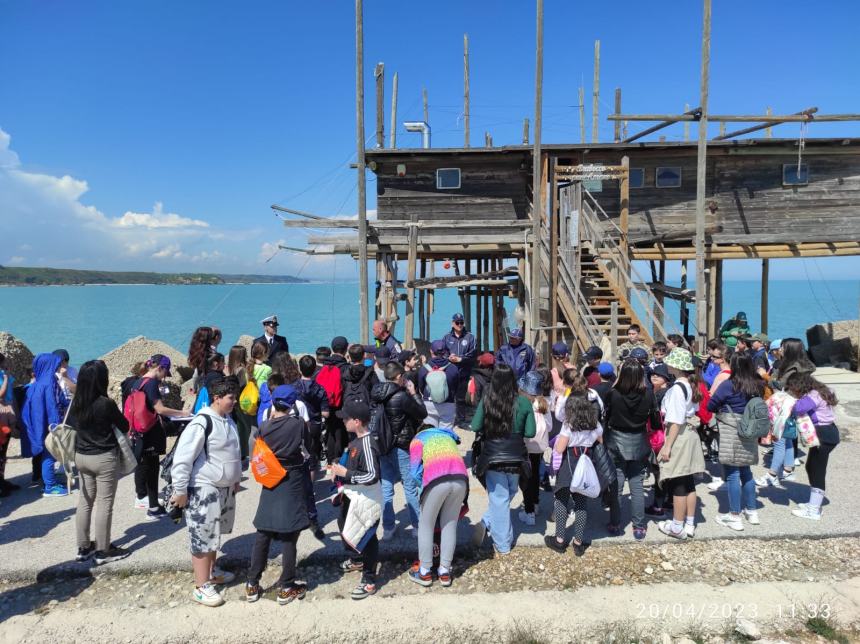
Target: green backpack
column 755, row 422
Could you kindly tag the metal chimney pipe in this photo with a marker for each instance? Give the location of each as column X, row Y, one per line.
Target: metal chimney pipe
column 419, row 126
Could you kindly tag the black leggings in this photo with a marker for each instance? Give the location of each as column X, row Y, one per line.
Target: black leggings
column 146, row 478
column 260, row 556
column 680, row 485
column 336, row 440
column 531, row 486
column 561, row 508
column 369, row 557
column 816, row 464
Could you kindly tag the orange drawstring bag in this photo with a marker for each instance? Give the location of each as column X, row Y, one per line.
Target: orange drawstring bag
column 266, row 467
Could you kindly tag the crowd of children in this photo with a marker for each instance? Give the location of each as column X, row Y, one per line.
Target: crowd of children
column 374, row 415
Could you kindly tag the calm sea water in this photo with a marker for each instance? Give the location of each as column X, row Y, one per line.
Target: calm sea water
column 89, row 321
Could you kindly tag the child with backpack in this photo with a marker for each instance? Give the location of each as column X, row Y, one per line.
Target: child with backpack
column 815, row 403
column 205, row 473
column 579, row 432
column 361, row 508
column 257, row 367
column 437, row 382
column 330, row 378
column 281, row 513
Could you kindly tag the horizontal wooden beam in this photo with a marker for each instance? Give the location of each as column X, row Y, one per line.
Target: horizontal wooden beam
column 672, row 236
column 466, row 283
column 460, row 280
column 753, row 251
column 696, row 113
column 300, row 213
column 761, row 126
column 320, row 223
column 396, row 225
column 737, row 118
column 672, row 292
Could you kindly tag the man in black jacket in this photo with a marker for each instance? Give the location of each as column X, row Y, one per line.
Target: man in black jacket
column 276, row 343
column 404, row 410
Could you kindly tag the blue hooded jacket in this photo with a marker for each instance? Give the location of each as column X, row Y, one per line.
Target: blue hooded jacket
column 520, row 358
column 44, row 404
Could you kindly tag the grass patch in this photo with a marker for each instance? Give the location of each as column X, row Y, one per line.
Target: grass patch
column 521, row 633
column 827, row 628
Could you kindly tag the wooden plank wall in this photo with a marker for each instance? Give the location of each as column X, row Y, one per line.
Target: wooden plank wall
column 492, row 187
column 752, row 205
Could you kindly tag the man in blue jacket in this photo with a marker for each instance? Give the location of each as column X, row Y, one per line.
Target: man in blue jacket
column 437, row 383
column 461, row 351
column 517, row 354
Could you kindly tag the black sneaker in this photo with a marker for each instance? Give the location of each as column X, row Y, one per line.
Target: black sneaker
column 85, row 554
column 364, row 589
column 112, row 554
column 553, row 543
column 349, row 565
column 580, row 548
column 154, row 514
column 654, row 511
column 317, row 531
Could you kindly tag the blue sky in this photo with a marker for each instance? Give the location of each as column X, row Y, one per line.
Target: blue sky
column 155, row 135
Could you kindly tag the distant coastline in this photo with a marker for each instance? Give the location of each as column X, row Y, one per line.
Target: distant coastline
column 37, row 276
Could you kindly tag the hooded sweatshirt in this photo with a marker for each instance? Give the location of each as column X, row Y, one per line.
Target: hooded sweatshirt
column 434, row 457
column 451, row 376
column 44, row 404
column 629, row 412
column 358, row 380
column 192, row 468
column 520, row 358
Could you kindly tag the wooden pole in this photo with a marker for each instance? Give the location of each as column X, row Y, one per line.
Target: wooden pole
column 765, row 288
column 426, row 105
column 768, row 133
column 488, row 140
column 613, row 329
column 701, row 176
column 479, row 313
column 595, row 94
column 431, row 299
column 525, row 131
column 379, row 75
column 362, row 186
column 686, row 123
column 467, row 299
column 422, row 319
column 392, row 136
column 582, row 115
column 685, row 313
column 409, row 331
column 624, row 215
column 537, row 187
column 487, row 295
column 466, row 132
column 617, row 111
column 553, row 251
column 722, row 129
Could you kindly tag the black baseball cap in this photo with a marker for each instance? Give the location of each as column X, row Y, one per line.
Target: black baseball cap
column 339, row 344
column 358, row 410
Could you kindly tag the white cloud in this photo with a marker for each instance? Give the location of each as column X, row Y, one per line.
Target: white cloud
column 17, row 259
column 157, row 219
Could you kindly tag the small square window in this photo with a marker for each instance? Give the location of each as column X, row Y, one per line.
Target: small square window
column 669, row 177
column 447, row 178
column 791, row 176
column 637, row 177
column 593, row 185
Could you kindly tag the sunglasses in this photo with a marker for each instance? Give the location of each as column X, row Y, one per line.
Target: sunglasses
column 458, row 323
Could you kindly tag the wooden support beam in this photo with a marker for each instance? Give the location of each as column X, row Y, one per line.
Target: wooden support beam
column 461, row 280
column 671, row 236
column 664, row 290
column 768, row 132
column 409, row 331
column 765, row 290
column 300, row 213
column 422, row 295
column 362, row 187
column 685, row 312
column 486, row 304
column 525, row 131
column 426, row 105
column 431, row 298
column 686, row 123
column 753, row 251
column 392, row 136
column 537, row 183
column 617, row 111
column 624, row 214
column 320, row 223
column 467, row 313
column 701, row 176
column 693, row 114
column 582, row 114
column 739, row 118
column 553, row 251
column 466, row 132
column 595, row 94
column 379, row 75
column 755, row 128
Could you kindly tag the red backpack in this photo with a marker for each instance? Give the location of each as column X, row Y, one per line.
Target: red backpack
column 139, row 416
column 329, row 378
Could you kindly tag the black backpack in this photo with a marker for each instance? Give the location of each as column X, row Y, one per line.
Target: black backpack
column 358, row 392
column 381, row 430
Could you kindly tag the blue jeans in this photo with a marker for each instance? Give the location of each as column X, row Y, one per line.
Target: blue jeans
column 741, row 486
column 395, row 467
column 49, row 480
column 501, row 489
column 783, row 455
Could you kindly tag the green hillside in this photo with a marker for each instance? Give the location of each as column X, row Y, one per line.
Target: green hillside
column 20, row 276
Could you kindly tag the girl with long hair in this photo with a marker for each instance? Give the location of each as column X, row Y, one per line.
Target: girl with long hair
column 531, row 386
column 502, row 420
column 97, row 459
column 681, row 456
column 817, row 401
column 737, row 454
column 793, row 360
column 236, row 366
column 198, row 354
column 257, row 367
column 284, row 364
column 629, row 407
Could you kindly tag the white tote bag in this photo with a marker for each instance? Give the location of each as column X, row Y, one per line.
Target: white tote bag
column 585, row 479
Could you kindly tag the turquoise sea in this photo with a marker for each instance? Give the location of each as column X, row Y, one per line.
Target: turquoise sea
column 89, row 321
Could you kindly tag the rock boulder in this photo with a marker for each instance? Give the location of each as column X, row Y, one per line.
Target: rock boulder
column 834, row 343
column 121, row 361
column 18, row 357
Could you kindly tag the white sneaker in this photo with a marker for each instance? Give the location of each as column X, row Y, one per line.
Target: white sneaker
column 790, row 476
column 805, row 511
column 220, row 577
column 751, row 516
column 527, row 518
column 716, row 484
column 798, row 462
column 207, row 595
column 666, row 528
column 731, row 521
column 690, row 530
column 141, row 504
column 766, row 480
column 388, row 534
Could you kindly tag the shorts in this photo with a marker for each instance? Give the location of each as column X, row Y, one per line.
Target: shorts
column 210, row 513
